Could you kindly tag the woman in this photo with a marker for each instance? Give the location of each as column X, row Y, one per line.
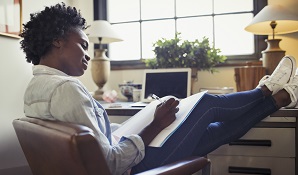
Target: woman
column 54, row 42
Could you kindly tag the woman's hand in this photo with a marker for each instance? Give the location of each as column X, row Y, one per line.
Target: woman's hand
column 164, row 115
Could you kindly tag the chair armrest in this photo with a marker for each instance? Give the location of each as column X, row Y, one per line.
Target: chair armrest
column 183, row 167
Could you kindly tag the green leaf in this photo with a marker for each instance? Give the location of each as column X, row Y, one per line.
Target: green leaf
column 174, row 52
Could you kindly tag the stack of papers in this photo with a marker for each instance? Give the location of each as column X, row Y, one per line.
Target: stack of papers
column 218, row 90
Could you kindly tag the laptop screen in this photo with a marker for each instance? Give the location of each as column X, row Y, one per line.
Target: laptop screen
column 163, row 82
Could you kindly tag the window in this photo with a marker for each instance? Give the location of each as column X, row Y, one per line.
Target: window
column 142, row 22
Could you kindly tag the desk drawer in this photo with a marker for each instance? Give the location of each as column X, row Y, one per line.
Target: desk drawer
column 276, row 142
column 240, row 165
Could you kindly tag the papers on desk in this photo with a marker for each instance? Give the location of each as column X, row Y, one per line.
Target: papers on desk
column 139, row 104
column 218, row 90
column 135, row 124
column 115, row 105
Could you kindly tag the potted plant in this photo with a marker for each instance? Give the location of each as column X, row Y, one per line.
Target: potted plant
column 175, row 53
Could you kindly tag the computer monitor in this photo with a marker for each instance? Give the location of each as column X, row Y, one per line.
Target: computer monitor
column 163, row 82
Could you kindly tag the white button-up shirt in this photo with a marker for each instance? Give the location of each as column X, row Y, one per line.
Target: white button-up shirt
column 53, row 95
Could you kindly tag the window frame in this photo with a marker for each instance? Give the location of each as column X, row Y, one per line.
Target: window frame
column 100, row 13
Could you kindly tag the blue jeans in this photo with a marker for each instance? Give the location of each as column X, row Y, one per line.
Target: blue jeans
column 216, row 120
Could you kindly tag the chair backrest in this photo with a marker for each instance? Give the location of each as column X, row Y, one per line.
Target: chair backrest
column 59, row 148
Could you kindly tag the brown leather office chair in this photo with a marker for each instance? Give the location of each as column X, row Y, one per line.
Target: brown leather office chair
column 59, row 148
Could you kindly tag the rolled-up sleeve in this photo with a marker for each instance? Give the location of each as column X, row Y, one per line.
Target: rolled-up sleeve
column 72, row 103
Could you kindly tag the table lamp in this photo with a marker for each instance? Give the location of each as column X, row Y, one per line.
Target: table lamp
column 272, row 20
column 101, row 32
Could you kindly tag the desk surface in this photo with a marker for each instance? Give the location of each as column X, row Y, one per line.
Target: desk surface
column 120, row 108
column 124, row 109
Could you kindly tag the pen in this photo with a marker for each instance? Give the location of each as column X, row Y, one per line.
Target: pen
column 156, row 98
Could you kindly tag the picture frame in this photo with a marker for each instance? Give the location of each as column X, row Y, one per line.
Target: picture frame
column 10, row 18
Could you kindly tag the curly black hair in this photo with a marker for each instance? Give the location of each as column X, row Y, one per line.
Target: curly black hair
column 44, row 27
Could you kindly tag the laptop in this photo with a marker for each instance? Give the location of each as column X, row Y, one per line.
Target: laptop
column 163, row 82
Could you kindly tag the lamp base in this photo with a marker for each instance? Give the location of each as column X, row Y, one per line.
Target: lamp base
column 100, row 69
column 272, row 55
column 98, row 94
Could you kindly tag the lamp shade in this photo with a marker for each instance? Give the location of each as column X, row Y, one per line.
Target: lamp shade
column 287, row 22
column 104, row 30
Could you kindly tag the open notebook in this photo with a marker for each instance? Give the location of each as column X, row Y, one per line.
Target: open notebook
column 136, row 123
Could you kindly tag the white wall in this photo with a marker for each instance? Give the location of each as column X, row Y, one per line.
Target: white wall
column 15, row 74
